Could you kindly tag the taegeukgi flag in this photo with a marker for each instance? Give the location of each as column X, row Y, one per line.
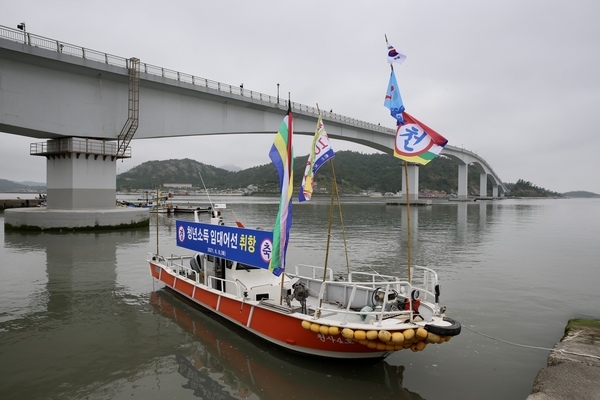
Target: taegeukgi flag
column 395, row 56
column 282, row 156
column 320, row 152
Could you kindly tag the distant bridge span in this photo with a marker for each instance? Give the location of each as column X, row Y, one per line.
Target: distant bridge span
column 69, row 94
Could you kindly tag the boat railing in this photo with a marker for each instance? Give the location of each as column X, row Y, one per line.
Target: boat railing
column 311, row 271
column 359, row 299
column 262, row 286
column 426, row 281
column 371, row 277
column 176, row 262
column 213, row 280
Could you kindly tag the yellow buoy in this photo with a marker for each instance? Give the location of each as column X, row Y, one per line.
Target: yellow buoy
column 372, row 344
column 315, row 328
column 420, row 345
column 398, row 347
column 371, row 335
column 324, row 330
column 348, row 333
column 380, row 346
column 421, row 333
column 413, row 347
column 397, row 337
column 360, row 335
column 306, row 324
column 384, row 336
column 364, row 342
column 390, row 347
column 433, row 338
column 334, row 330
column 409, row 334
column 447, row 338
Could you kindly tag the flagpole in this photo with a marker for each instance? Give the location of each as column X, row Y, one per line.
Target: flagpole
column 407, row 218
column 291, row 133
column 334, row 192
column 157, row 252
column 337, row 193
column 407, row 193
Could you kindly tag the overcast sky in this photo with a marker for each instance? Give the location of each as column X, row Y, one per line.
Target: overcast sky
column 516, row 81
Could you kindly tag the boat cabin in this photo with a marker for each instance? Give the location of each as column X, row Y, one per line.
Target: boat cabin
column 236, row 278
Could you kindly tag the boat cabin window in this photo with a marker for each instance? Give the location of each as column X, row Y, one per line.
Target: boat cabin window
column 245, row 266
column 228, row 264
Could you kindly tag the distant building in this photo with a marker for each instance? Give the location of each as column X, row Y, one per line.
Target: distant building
column 177, row 185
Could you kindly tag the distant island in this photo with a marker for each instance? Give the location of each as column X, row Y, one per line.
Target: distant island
column 581, row 194
column 356, row 173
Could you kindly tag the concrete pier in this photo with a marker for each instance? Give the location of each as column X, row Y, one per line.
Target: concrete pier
column 18, row 203
column 43, row 219
column 573, row 370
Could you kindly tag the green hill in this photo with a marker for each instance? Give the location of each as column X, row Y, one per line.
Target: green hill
column 10, row 186
column 581, row 194
column 527, row 189
column 355, row 172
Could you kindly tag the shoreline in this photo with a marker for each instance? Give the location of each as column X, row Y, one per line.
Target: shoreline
column 573, row 368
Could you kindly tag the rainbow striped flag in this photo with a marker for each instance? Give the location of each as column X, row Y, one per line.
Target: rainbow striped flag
column 416, row 142
column 282, row 156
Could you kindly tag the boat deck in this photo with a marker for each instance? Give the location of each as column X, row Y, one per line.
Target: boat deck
column 364, row 298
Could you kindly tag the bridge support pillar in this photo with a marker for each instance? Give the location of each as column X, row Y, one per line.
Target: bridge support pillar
column 413, row 182
column 463, row 174
column 494, row 190
column 76, row 183
column 483, row 185
column 81, row 190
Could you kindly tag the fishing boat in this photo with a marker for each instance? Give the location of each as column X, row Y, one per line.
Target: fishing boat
column 159, row 204
column 241, row 274
column 364, row 316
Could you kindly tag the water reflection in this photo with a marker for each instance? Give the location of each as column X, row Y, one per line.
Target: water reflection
column 61, row 301
column 78, row 268
column 228, row 363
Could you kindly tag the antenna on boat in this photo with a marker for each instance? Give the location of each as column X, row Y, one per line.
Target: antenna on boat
column 205, row 189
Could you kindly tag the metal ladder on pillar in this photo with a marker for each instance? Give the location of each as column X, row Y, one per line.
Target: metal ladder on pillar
column 132, row 123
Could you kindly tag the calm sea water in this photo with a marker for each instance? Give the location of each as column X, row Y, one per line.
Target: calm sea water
column 80, row 318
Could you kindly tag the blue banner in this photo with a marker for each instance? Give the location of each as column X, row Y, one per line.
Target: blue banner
column 247, row 246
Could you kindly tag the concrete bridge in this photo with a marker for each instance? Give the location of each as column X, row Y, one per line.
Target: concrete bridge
column 87, row 104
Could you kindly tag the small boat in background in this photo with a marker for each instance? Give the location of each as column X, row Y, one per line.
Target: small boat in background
column 156, row 204
column 190, row 210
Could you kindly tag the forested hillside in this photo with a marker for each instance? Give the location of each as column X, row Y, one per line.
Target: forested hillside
column 355, row 172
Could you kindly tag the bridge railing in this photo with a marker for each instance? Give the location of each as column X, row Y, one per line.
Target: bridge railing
column 55, row 147
column 88, row 54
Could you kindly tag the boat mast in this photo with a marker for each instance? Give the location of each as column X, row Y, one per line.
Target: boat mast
column 408, row 244
column 336, row 193
column 406, row 190
column 157, row 252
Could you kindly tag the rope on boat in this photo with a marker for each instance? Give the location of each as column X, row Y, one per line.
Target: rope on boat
column 532, row 347
column 355, row 255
